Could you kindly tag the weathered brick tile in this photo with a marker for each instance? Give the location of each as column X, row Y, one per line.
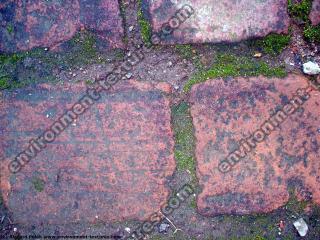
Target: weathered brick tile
column 220, row 20
column 111, row 163
column 315, row 12
column 39, row 23
column 225, row 112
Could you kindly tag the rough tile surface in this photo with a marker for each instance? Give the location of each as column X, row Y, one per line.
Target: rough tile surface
column 227, row 111
column 220, row 20
column 315, row 12
column 111, row 164
column 39, row 23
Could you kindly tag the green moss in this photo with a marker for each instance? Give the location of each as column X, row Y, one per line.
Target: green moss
column 89, row 82
column 184, row 139
column 4, row 82
column 10, row 28
column 294, row 205
column 145, row 26
column 300, row 10
column 84, row 49
column 38, row 184
column 232, row 66
column 185, row 51
column 11, row 58
column 274, row 43
column 312, row 33
column 193, row 203
column 256, row 227
column 119, row 54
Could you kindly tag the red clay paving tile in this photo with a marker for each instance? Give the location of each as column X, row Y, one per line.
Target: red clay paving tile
column 110, row 165
column 220, row 20
column 39, row 23
column 225, row 112
column 315, row 12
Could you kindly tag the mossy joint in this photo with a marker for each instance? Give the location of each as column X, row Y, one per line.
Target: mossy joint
column 273, row 44
column 82, row 50
column 145, row 26
column 184, row 50
column 184, row 140
column 300, row 11
column 233, row 66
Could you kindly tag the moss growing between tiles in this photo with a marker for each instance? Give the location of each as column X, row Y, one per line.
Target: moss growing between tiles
column 233, row 66
column 193, row 202
column 294, row 205
column 300, row 11
column 187, row 52
column 254, row 227
column 38, row 65
column 184, row 51
column 184, row 139
column 273, row 44
column 312, row 33
column 10, row 29
column 145, row 27
column 85, row 49
column 4, row 82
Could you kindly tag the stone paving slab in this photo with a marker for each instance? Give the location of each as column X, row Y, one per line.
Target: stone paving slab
column 220, row 20
column 39, row 23
column 315, row 12
column 255, row 175
column 110, row 165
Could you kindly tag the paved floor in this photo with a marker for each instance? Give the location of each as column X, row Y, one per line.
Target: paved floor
column 120, row 160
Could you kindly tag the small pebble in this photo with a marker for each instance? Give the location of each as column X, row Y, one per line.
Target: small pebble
column 311, row 68
column 257, row 55
column 301, row 227
column 129, row 75
column 163, row 227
